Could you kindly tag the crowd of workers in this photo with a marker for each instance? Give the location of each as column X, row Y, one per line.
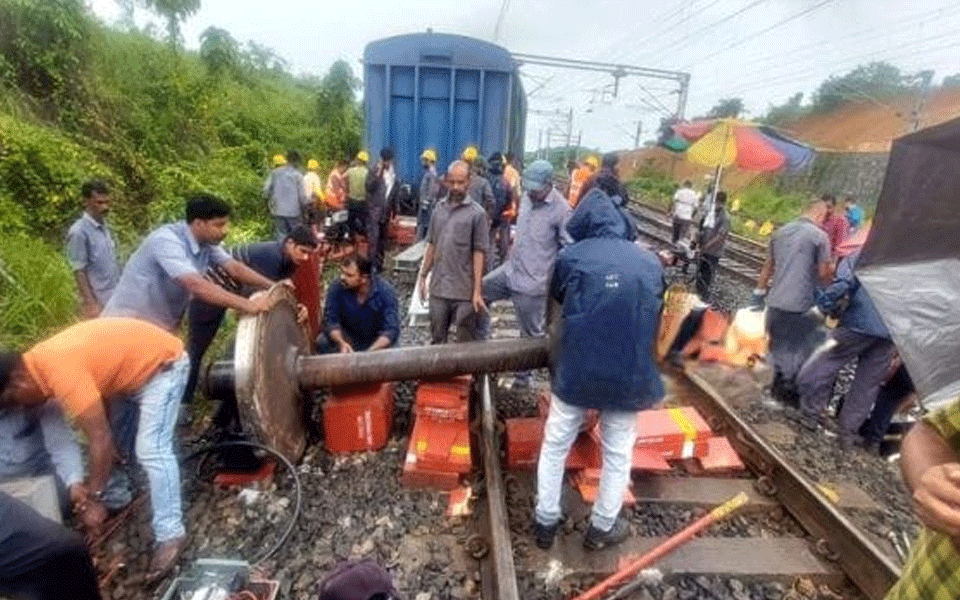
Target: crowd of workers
column 491, row 234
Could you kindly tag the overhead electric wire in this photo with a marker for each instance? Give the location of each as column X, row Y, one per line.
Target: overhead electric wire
column 755, row 34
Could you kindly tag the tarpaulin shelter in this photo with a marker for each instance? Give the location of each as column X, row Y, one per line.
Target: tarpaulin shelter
column 910, row 263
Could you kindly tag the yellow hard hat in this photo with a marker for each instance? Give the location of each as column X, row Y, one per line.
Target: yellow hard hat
column 592, row 161
column 362, row 156
column 313, row 165
column 470, row 154
column 279, row 160
column 429, row 154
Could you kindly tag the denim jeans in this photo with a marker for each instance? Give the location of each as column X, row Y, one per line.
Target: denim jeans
column 617, row 437
column 159, row 404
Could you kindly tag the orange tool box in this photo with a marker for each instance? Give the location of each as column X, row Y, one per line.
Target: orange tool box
column 440, row 445
column 674, row 432
column 358, row 417
column 720, row 456
column 448, row 399
column 416, row 477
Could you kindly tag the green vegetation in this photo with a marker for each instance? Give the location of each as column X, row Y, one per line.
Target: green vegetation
column 79, row 99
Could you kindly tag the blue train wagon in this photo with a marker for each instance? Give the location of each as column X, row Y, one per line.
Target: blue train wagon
column 440, row 91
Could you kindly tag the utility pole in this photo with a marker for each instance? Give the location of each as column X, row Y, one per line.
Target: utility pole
column 539, row 143
column 636, row 138
column 925, row 79
column 569, row 134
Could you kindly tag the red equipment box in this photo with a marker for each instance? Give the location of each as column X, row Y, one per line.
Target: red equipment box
column 440, row 445
column 524, row 436
column 357, row 418
column 673, row 432
column 444, row 400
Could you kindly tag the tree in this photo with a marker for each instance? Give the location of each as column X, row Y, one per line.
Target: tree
column 174, row 11
column 791, row 110
column 951, row 81
column 338, row 115
column 726, row 108
column 262, row 58
column 866, row 82
column 219, row 52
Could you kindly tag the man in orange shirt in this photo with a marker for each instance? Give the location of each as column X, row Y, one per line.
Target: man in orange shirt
column 580, row 176
column 83, row 366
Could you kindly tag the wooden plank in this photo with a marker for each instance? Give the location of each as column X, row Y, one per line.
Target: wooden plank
column 699, row 491
column 764, row 558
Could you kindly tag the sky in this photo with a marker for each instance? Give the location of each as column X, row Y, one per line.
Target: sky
column 763, row 51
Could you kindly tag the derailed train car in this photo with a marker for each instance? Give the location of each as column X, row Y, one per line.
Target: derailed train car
column 440, row 91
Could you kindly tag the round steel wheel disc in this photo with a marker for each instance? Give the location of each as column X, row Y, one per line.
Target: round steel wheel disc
column 265, row 358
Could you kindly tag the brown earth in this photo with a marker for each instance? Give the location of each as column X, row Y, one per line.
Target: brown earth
column 866, row 126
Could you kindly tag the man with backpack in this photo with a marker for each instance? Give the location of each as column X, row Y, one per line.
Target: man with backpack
column 503, row 200
column 524, row 274
column 860, row 334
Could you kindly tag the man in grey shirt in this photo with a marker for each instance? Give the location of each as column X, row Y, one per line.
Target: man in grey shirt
column 286, row 196
column 713, row 239
column 798, row 262
column 524, row 276
column 91, row 250
column 168, row 267
column 457, row 243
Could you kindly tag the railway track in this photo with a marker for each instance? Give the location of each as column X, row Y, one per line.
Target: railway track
column 742, row 257
column 830, row 549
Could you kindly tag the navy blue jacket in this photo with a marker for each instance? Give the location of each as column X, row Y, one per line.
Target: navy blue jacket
column 860, row 315
column 611, row 291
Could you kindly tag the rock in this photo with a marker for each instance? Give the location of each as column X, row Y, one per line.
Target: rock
column 670, row 593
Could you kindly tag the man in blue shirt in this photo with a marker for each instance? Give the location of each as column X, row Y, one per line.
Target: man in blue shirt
column 274, row 260
column 360, row 312
column 91, row 250
column 169, row 266
column 854, row 213
column 611, row 293
column 286, row 196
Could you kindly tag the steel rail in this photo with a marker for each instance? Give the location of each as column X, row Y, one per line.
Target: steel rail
column 870, row 569
column 504, row 583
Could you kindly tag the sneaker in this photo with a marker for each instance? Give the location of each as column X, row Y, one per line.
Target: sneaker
column 544, row 534
column 597, row 540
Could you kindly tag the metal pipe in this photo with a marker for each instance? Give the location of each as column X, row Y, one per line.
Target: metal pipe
column 419, row 362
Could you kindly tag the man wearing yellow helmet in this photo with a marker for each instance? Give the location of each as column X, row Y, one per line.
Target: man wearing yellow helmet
column 313, row 189
column 279, row 160
column 285, row 195
column 429, row 191
column 479, row 189
column 356, row 177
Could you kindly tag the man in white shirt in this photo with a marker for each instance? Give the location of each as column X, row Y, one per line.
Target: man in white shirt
column 685, row 202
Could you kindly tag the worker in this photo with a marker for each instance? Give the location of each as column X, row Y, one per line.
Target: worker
column 91, row 251
column 478, row 189
column 579, row 176
column 356, row 177
column 685, row 203
column 284, row 191
column 524, row 275
column 860, row 334
column 457, row 243
column 382, row 186
column 80, row 369
column 504, row 205
column 835, row 224
column 313, row 189
column 713, row 239
column 38, row 442
column 361, row 310
column 336, row 192
column 511, row 173
column 276, row 261
column 797, row 262
column 40, row 559
column 168, row 268
column 429, row 191
column 854, row 213
column 609, row 292
column 930, row 463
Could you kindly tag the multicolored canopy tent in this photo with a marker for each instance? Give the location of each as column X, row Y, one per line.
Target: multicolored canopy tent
column 723, row 143
column 910, row 263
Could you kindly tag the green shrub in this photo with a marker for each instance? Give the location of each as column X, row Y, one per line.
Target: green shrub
column 36, row 291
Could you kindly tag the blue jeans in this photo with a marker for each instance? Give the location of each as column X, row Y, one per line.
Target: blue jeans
column 423, row 220
column 617, row 437
column 159, row 404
